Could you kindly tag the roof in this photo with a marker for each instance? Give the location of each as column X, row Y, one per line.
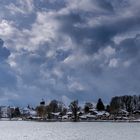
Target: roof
column 56, row 114
column 69, row 113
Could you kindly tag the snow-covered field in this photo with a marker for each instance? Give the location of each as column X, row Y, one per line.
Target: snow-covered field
column 19, row 130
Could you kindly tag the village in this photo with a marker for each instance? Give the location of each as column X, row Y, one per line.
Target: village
column 57, row 111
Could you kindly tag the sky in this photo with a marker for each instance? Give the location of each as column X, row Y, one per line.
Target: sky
column 68, row 49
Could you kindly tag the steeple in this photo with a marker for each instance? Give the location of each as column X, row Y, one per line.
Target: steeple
column 42, row 102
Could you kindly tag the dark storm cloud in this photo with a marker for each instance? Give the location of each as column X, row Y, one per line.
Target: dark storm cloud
column 69, row 49
column 7, row 77
column 100, row 35
column 105, row 4
column 4, row 52
column 129, row 48
column 124, row 79
column 46, row 5
column 3, row 2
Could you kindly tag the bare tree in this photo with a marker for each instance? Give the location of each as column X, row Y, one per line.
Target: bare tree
column 74, row 108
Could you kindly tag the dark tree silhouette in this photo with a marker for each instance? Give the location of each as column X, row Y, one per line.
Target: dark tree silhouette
column 16, row 112
column 108, row 108
column 87, row 107
column 56, row 106
column 126, row 102
column 74, row 108
column 41, row 111
column 53, row 106
column 115, row 105
column 100, row 106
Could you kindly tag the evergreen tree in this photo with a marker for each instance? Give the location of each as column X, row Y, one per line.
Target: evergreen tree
column 108, row 108
column 100, row 106
column 16, row 112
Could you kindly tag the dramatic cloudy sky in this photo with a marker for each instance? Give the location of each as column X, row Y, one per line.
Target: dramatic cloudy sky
column 68, row 49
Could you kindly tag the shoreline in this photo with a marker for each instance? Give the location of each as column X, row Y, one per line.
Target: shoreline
column 111, row 121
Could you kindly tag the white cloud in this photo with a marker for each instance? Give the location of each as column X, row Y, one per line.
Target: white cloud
column 21, row 6
column 6, row 28
column 74, row 85
column 57, row 72
column 34, row 49
column 113, row 63
column 76, row 59
column 42, row 30
column 127, row 63
column 109, row 51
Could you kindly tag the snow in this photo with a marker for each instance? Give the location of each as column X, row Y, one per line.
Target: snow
column 69, row 113
column 4, row 111
column 33, row 113
column 65, row 117
column 123, row 111
column 91, row 116
column 83, row 117
column 56, row 114
column 20, row 130
column 88, row 116
column 100, row 113
column 4, row 119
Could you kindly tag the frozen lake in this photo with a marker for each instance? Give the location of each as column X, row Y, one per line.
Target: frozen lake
column 68, row 131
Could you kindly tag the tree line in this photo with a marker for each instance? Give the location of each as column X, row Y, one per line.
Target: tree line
column 117, row 103
column 128, row 103
column 55, row 106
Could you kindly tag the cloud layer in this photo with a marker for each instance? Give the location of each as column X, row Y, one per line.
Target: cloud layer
column 68, row 50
